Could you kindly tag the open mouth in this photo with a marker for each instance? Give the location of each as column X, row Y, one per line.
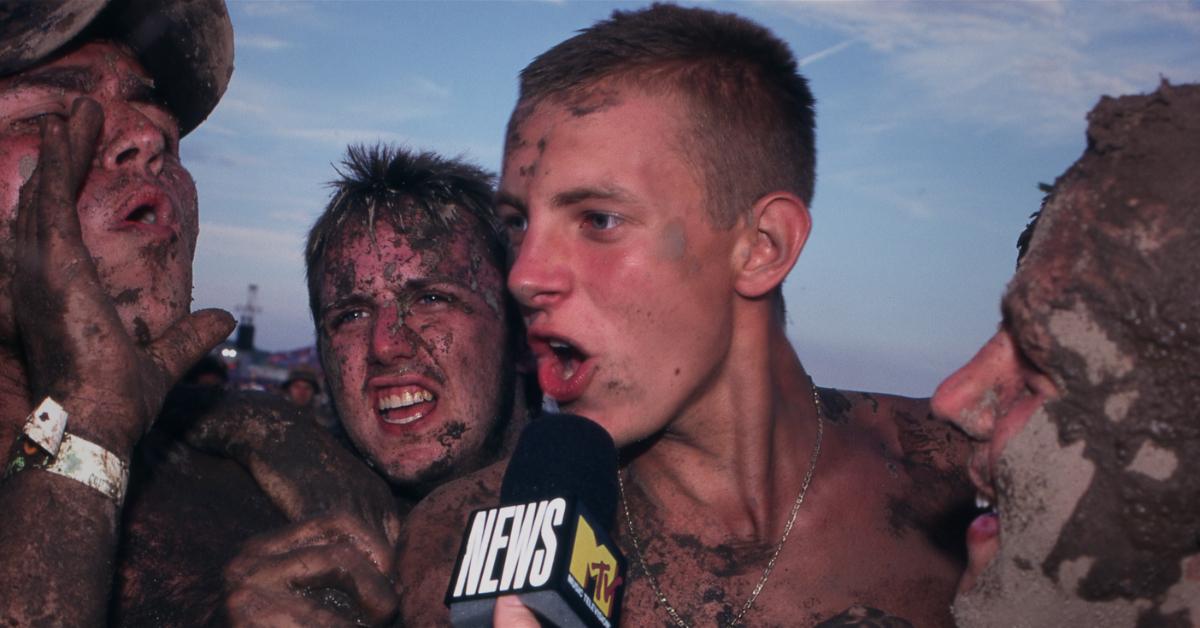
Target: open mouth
column 147, row 210
column 145, row 214
column 403, row 405
column 983, row 534
column 564, row 370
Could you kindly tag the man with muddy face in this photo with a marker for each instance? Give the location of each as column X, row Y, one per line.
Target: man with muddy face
column 417, row 338
column 1083, row 405
column 656, row 181
column 406, row 277
column 98, row 225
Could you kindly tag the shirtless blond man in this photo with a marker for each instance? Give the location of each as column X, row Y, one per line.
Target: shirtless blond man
column 656, row 184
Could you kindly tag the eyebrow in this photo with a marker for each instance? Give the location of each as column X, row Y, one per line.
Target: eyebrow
column 504, row 198
column 580, row 194
column 138, row 88
column 68, row 78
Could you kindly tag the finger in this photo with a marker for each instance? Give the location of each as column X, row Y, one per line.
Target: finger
column 326, row 530
column 26, row 232
column 57, row 219
column 339, row 566
column 188, row 340
column 87, row 118
column 511, row 613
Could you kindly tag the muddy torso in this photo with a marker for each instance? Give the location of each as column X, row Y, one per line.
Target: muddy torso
column 878, row 538
column 187, row 515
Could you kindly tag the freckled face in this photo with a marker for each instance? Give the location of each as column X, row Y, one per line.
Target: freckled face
column 626, row 285
column 412, row 338
column 137, row 208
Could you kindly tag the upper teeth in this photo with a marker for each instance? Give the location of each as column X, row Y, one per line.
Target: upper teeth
column 982, row 503
column 148, row 218
column 558, row 344
column 404, row 400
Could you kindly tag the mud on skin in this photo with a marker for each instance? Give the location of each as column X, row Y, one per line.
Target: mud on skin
column 1116, row 324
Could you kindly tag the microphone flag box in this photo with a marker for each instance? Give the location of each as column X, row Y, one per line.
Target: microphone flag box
column 549, row 552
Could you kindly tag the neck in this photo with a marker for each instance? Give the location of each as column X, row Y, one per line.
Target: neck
column 741, row 453
column 15, row 403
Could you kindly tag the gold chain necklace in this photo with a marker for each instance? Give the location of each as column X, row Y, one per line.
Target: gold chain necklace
column 787, row 529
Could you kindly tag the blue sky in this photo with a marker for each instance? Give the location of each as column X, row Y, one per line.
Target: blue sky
column 936, row 121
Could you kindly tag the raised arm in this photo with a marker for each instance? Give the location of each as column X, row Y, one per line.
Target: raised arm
column 60, row 505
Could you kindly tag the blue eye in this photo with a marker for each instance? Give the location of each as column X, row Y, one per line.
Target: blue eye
column 515, row 223
column 601, row 221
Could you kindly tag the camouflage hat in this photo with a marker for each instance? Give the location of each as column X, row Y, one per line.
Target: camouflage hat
column 185, row 45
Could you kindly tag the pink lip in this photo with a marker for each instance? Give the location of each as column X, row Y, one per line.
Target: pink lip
column 152, row 197
column 549, row 367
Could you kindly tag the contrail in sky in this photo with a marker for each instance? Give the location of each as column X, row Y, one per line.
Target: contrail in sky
column 821, row 54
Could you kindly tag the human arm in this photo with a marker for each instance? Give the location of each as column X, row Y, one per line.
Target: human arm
column 58, row 534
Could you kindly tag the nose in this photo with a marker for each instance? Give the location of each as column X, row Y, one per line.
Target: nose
column 968, row 398
column 391, row 338
column 133, row 141
column 539, row 277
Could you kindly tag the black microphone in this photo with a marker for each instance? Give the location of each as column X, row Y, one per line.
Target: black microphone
column 548, row 539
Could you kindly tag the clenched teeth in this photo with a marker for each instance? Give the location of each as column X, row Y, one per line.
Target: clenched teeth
column 404, row 400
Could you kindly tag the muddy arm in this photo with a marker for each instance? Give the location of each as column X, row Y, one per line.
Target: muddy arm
column 59, row 534
column 297, row 463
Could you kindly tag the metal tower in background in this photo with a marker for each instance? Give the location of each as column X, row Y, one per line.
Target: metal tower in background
column 247, row 310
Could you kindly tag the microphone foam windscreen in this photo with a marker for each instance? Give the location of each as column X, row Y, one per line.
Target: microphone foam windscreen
column 564, row 454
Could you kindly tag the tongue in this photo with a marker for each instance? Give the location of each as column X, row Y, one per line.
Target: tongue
column 563, row 380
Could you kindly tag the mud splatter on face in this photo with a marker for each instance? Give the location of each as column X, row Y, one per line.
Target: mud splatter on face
column 1100, row 492
column 413, row 306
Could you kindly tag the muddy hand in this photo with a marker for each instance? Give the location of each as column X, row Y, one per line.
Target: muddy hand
column 327, row 571
column 76, row 348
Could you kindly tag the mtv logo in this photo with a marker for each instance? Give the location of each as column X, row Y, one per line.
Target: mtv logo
column 595, row 568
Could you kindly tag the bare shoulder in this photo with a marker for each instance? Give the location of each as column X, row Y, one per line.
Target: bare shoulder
column 928, row 455
column 905, row 427
column 429, row 543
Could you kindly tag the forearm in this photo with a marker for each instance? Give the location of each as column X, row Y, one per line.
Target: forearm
column 58, row 537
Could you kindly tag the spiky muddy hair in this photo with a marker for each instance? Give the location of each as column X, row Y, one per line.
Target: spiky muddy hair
column 405, row 186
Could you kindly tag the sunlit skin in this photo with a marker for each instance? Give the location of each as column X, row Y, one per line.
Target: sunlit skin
column 647, row 318
column 614, row 261
column 991, row 398
column 413, row 343
column 137, row 208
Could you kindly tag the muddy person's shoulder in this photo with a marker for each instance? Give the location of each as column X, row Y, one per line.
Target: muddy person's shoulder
column 429, row 543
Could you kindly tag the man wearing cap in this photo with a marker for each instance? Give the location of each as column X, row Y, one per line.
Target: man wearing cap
column 98, row 225
column 301, row 387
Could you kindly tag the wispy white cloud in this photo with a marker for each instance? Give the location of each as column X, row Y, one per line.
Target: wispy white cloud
column 340, row 136
column 258, row 107
column 1033, row 65
column 272, row 8
column 261, row 42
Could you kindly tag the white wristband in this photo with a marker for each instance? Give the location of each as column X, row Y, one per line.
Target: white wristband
column 74, row 457
column 90, row 464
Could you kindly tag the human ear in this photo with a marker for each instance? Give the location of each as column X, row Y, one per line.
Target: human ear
column 778, row 227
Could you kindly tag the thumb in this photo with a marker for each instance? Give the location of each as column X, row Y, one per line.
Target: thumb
column 185, row 342
column 511, row 613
